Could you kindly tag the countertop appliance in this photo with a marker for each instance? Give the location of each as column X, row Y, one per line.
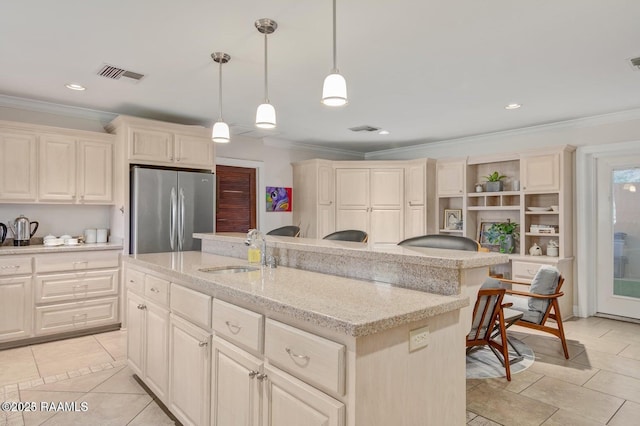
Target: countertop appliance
column 167, row 207
column 3, row 232
column 23, row 230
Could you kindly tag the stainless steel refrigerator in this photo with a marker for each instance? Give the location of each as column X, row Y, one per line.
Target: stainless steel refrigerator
column 167, row 207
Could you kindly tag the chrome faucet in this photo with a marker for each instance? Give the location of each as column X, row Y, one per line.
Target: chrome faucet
column 253, row 234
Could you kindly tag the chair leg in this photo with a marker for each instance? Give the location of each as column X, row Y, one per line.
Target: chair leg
column 504, row 346
column 558, row 319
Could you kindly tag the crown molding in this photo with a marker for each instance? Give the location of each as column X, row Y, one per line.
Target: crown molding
column 57, row 109
column 597, row 120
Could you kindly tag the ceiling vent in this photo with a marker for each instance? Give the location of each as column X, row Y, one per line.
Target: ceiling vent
column 635, row 63
column 364, row 128
column 115, row 73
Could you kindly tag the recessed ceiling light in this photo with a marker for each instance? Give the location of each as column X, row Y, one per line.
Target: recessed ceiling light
column 383, row 132
column 74, row 86
column 513, row 106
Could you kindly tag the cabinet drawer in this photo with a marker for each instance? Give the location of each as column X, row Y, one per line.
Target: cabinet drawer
column 77, row 261
column 76, row 285
column 156, row 289
column 237, row 324
column 134, row 280
column 524, row 271
column 192, row 305
column 306, row 355
column 76, row 315
column 15, row 265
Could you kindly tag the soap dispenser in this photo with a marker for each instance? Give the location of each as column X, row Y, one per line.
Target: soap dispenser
column 253, row 252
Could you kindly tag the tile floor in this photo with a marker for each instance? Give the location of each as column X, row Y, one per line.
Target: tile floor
column 598, row 385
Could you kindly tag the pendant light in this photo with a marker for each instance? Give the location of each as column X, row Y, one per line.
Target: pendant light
column 334, row 90
column 266, row 113
column 220, row 132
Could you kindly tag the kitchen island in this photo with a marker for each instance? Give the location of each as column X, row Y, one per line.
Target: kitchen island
column 287, row 344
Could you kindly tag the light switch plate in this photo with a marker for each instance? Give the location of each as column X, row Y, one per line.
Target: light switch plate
column 418, row 338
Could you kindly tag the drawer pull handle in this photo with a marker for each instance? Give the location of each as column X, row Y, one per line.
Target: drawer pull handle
column 531, row 271
column 291, row 353
column 261, row 376
column 234, row 328
column 11, row 267
column 141, row 306
column 203, row 344
column 253, row 374
column 73, row 318
column 155, row 290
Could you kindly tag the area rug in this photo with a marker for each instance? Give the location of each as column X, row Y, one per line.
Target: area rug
column 483, row 364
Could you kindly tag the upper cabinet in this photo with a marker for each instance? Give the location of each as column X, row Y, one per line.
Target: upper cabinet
column 540, row 172
column 160, row 143
column 450, row 177
column 51, row 165
column 18, row 165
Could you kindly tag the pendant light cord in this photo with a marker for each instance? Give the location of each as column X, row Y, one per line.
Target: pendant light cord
column 266, row 86
column 335, row 61
column 220, row 91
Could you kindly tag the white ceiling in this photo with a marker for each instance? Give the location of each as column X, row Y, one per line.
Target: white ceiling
column 425, row 70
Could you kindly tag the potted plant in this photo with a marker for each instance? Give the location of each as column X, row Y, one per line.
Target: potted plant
column 504, row 234
column 494, row 182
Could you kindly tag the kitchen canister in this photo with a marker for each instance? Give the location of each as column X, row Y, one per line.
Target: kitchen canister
column 90, row 235
column 101, row 235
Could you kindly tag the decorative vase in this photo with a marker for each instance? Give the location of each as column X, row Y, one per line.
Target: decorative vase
column 494, row 186
column 507, row 244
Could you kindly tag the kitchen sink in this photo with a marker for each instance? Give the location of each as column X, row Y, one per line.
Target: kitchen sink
column 228, row 269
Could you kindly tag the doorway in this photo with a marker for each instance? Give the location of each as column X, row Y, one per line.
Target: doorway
column 235, row 199
column 618, row 236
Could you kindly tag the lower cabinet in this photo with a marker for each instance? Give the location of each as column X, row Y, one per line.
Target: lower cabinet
column 189, row 371
column 15, row 308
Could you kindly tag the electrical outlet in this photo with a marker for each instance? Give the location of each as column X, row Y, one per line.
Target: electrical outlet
column 418, row 338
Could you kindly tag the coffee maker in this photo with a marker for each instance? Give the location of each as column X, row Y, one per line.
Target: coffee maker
column 22, row 230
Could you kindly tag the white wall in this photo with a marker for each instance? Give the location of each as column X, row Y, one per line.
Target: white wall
column 57, row 219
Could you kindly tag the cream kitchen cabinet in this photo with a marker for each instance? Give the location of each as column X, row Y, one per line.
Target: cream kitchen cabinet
column 419, row 198
column 450, row 176
column 314, row 210
column 18, row 166
column 540, row 172
column 75, row 170
column 16, row 309
column 371, row 200
column 148, row 327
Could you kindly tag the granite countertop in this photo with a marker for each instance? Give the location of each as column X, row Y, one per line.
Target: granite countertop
column 353, row 307
column 441, row 258
column 40, row 248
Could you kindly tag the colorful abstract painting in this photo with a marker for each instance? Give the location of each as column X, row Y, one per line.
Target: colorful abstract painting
column 278, row 199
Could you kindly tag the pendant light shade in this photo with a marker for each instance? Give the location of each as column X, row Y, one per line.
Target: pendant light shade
column 334, row 90
column 266, row 113
column 220, row 133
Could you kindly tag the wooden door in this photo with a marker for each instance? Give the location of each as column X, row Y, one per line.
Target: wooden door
column 235, row 199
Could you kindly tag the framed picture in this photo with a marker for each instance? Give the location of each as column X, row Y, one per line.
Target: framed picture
column 483, row 227
column 451, row 218
column 278, row 199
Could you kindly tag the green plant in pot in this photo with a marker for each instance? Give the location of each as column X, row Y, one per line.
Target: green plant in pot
column 505, row 234
column 494, row 182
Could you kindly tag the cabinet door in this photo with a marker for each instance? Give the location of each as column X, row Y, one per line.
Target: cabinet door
column 150, row 145
column 387, row 189
column 57, row 170
column 326, row 221
column 352, row 188
column 189, row 367
column 194, row 151
column 15, row 308
column 135, row 333
column 415, row 184
column 387, row 226
column 416, row 222
column 95, row 172
column 541, row 172
column 235, row 386
column 326, row 185
column 157, row 349
column 289, row 401
column 450, row 178
column 17, row 166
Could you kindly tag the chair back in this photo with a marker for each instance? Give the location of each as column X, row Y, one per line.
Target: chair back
column 443, row 241
column 485, row 314
column 546, row 281
column 286, row 231
column 348, row 235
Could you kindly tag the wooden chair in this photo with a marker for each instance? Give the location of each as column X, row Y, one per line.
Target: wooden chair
column 348, row 235
column 542, row 305
column 444, row 241
column 286, row 231
column 487, row 314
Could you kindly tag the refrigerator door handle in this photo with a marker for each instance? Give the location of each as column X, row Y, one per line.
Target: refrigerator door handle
column 172, row 221
column 181, row 222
